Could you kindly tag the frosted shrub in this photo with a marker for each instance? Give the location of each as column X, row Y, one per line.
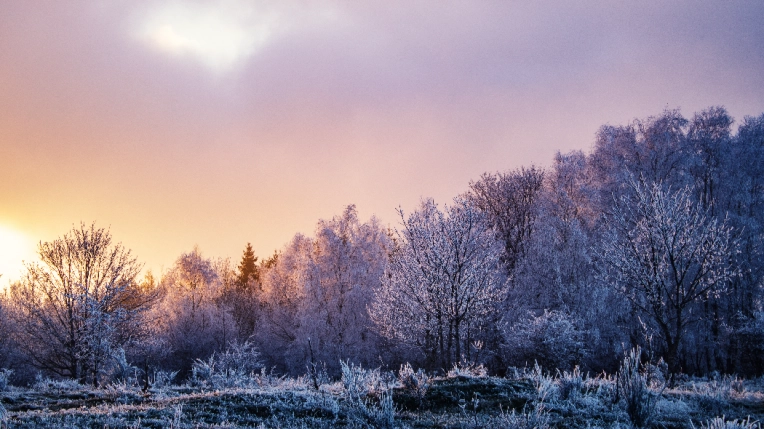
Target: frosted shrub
column 712, row 396
column 546, row 388
column 163, row 379
column 417, row 382
column 537, row 418
column 737, row 386
column 368, row 395
column 241, row 358
column 359, row 382
column 633, row 390
column 720, row 423
column 727, row 387
column 571, row 384
column 603, row 386
column 405, row 374
column 381, row 414
column 46, row 384
column 552, row 338
column 318, row 374
column 657, row 374
column 266, row 378
column 467, row 369
column 3, row 416
column 378, row 414
column 233, row 368
column 5, row 375
column 122, row 371
column 203, row 371
column 673, row 411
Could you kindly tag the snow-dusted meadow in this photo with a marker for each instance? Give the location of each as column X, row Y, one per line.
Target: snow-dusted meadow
column 466, row 397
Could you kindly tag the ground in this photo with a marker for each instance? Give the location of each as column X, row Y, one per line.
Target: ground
column 369, row 398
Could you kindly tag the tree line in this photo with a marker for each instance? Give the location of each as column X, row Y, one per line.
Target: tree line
column 652, row 239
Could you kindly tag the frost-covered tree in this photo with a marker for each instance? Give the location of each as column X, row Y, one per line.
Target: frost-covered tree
column 347, row 262
column 9, row 350
column 243, row 293
column 191, row 318
column 283, row 296
column 709, row 136
column 667, row 256
column 724, row 173
column 317, row 292
column 556, row 266
column 741, row 194
column 655, row 148
column 444, row 284
column 556, row 274
column 75, row 307
column 509, row 203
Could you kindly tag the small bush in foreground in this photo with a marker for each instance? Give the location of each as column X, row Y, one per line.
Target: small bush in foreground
column 416, row 382
column 721, row 423
column 233, row 368
column 632, row 388
column 5, row 375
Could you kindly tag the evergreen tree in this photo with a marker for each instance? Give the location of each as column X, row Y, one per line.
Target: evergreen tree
column 248, row 269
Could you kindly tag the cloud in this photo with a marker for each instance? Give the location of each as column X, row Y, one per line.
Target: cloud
column 259, row 117
column 219, row 34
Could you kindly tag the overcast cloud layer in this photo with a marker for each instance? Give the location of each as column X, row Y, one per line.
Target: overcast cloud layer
column 222, row 122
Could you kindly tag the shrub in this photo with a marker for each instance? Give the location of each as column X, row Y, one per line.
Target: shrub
column 553, row 339
column 360, row 383
column 163, row 379
column 122, row 370
column 633, row 390
column 537, row 418
column 467, row 369
column 546, row 388
column 233, row 368
column 721, row 423
column 65, row 385
column 416, row 382
column 381, row 413
column 571, row 384
column 5, row 375
column 368, row 395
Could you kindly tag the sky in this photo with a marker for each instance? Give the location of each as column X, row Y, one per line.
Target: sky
column 222, row 122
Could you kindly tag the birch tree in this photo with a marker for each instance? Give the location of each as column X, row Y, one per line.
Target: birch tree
column 317, row 292
column 443, row 285
column 191, row 319
column 346, row 263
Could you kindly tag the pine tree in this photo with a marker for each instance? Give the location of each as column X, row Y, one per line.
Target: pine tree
column 248, row 269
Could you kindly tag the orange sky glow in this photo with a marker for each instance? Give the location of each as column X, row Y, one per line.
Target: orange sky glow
column 217, row 123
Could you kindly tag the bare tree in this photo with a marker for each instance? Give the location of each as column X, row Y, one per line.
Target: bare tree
column 666, row 256
column 74, row 307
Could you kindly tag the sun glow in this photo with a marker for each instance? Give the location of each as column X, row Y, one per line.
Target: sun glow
column 15, row 248
column 219, row 34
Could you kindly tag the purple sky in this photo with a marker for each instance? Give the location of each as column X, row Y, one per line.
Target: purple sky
column 225, row 122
